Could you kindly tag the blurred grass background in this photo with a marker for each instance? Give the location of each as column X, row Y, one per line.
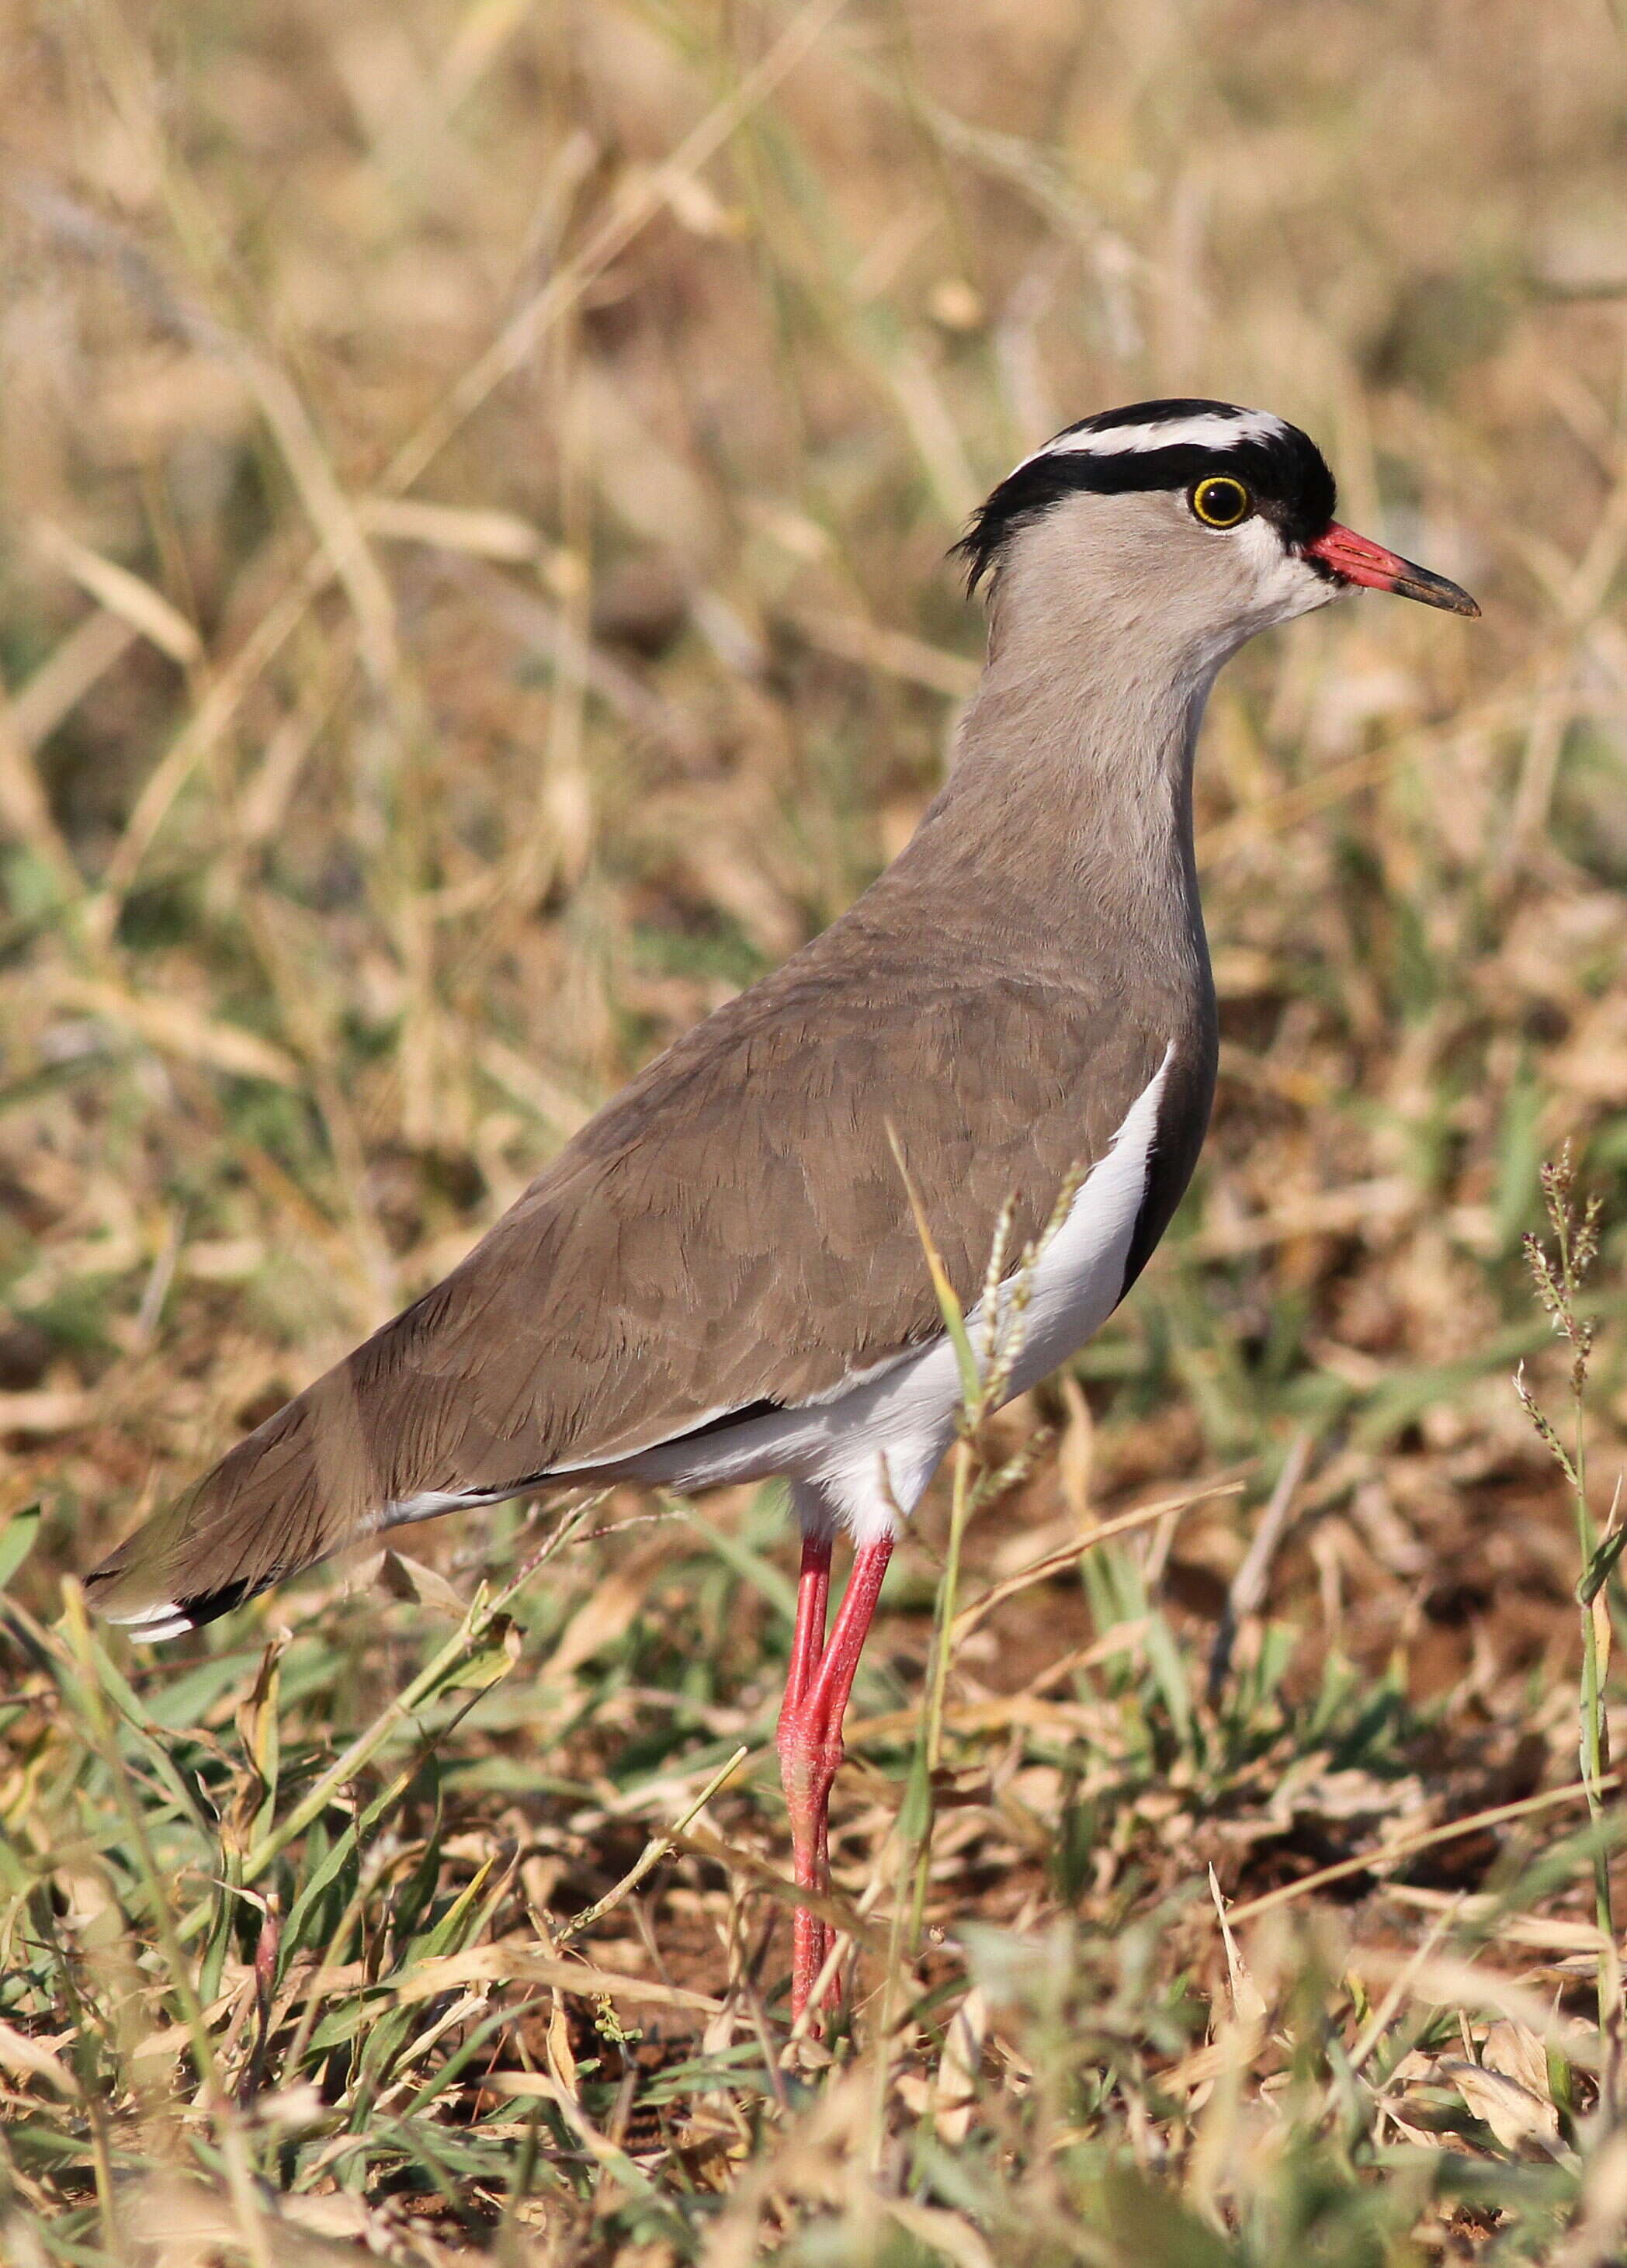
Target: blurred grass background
column 476, row 477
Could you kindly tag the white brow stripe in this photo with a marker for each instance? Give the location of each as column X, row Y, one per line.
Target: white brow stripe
column 1209, row 431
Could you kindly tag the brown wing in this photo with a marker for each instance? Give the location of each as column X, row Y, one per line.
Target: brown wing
column 733, row 1230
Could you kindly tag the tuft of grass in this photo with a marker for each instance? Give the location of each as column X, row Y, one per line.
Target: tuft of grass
column 1559, row 1274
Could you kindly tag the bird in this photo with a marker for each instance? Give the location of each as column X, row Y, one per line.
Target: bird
column 723, row 1277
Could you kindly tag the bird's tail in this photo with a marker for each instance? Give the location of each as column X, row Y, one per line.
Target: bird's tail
column 296, row 1490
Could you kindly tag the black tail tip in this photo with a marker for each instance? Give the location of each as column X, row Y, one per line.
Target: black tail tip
column 156, row 1619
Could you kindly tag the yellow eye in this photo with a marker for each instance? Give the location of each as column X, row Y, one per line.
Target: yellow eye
column 1220, row 501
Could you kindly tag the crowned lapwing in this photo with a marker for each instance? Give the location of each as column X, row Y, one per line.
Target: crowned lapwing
column 722, row 1276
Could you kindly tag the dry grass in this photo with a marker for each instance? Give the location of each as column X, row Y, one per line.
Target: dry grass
column 478, row 479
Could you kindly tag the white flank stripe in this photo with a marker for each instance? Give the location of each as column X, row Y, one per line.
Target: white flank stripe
column 1209, row 431
column 1079, row 1276
column 691, row 1425
column 904, row 1428
column 427, row 1503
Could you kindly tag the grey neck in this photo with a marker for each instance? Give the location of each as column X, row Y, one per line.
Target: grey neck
column 1070, row 801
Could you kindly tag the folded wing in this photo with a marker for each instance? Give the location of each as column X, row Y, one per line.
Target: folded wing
column 731, row 1234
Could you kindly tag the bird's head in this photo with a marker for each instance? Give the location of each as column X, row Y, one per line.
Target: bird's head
column 1186, row 526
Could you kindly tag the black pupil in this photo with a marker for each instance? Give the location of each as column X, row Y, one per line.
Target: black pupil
column 1222, row 500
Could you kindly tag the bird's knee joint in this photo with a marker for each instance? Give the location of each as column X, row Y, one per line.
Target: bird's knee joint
column 808, row 1761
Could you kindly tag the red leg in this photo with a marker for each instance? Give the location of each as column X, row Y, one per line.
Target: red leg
column 807, row 1642
column 810, row 1735
column 807, row 1647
